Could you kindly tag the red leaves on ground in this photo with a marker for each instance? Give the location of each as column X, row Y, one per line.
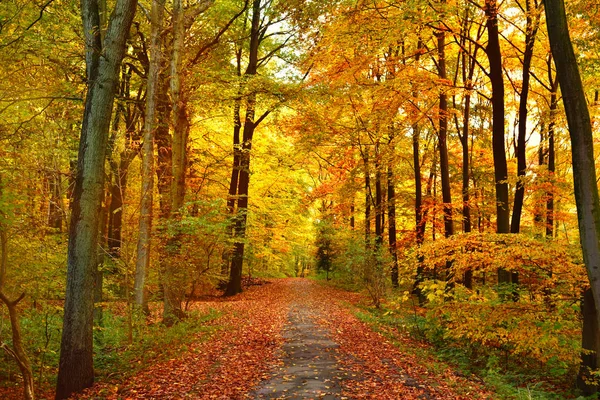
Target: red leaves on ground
column 232, row 361
column 227, row 365
column 375, row 368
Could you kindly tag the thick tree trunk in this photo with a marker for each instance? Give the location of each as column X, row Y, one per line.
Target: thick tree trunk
column 170, row 278
column 76, row 371
column 498, row 145
column 147, row 201
column 590, row 340
column 180, row 117
column 98, row 271
column 584, row 170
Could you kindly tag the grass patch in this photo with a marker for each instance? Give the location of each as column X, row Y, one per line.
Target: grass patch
column 114, row 352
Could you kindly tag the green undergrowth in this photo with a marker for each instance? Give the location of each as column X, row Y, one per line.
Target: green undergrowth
column 122, row 345
column 150, row 343
column 508, row 377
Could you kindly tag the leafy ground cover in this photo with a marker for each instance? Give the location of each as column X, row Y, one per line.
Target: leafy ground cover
column 236, row 346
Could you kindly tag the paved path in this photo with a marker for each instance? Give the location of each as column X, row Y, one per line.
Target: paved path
column 310, row 368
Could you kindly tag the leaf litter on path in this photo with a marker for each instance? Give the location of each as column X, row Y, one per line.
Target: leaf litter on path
column 248, row 353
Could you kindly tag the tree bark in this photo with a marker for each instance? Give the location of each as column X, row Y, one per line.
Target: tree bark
column 170, row 277
column 55, row 203
column 76, row 371
column 368, row 198
column 530, row 34
column 443, row 137
column 419, row 208
column 235, row 168
column 17, row 352
column 391, row 198
column 584, row 171
column 443, row 149
column 466, row 157
column 234, row 285
column 551, row 151
column 378, row 200
column 147, row 200
column 498, row 145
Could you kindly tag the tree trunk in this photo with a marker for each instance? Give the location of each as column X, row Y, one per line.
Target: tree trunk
column 391, row 194
column 419, row 209
column 55, row 203
column 530, row 33
column 98, row 271
column 17, row 352
column 498, row 146
column 235, row 277
column 147, row 201
column 117, row 188
column 551, row 152
column 180, row 117
column 443, row 136
column 76, row 371
column 234, row 285
column 171, row 276
column 468, row 71
column 119, row 171
column 235, row 168
column 378, row 200
column 162, row 138
column 443, row 150
column 466, row 211
column 368, row 198
column 584, row 171
column 590, row 340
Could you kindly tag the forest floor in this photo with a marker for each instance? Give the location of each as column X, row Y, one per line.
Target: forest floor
column 291, row 339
